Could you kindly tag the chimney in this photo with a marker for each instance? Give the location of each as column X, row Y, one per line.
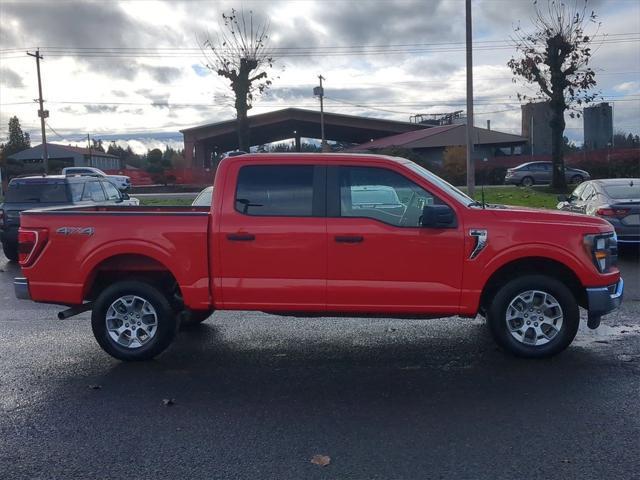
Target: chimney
column 488, row 124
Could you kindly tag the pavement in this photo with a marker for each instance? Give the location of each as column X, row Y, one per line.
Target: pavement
column 254, row 396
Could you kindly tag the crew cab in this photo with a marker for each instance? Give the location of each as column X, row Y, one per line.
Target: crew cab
column 284, row 235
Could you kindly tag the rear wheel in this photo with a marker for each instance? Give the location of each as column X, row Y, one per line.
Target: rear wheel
column 133, row 320
column 527, row 181
column 534, row 316
column 10, row 251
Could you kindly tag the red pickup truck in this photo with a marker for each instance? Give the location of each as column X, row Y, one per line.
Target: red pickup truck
column 322, row 234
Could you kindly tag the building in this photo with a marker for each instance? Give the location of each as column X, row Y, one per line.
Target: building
column 203, row 143
column 432, row 142
column 536, row 127
column 60, row 156
column 598, row 126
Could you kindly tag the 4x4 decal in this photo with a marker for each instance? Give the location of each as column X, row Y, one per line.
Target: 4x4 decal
column 66, row 231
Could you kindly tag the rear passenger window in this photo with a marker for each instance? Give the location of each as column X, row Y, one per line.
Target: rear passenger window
column 93, row 192
column 275, row 190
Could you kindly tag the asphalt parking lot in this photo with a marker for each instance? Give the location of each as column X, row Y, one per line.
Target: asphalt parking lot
column 257, row 396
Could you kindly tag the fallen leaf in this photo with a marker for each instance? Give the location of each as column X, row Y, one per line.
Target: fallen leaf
column 95, row 387
column 167, row 402
column 322, row 460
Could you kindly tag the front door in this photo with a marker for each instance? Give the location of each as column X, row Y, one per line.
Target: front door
column 380, row 258
column 271, row 245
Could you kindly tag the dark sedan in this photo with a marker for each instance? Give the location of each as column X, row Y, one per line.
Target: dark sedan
column 616, row 200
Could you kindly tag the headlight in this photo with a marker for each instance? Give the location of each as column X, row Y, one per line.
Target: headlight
column 603, row 250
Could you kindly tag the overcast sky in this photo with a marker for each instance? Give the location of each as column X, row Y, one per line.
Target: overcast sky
column 161, row 91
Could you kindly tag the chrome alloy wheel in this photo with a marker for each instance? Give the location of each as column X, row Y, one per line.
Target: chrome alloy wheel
column 534, row 318
column 131, row 321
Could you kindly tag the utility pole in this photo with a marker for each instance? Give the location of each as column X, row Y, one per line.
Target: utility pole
column 89, row 147
column 319, row 92
column 42, row 113
column 471, row 174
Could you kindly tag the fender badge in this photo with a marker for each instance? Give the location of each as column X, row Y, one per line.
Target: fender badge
column 66, row 231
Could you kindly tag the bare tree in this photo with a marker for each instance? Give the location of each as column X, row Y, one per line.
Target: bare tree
column 240, row 54
column 555, row 57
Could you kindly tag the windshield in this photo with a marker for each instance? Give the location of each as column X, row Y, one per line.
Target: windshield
column 379, row 195
column 623, row 191
column 37, row 192
column 446, row 186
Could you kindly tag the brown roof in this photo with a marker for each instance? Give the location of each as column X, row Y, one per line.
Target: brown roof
column 444, row 136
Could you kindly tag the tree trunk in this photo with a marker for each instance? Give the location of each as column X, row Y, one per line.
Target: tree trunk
column 243, row 131
column 558, row 180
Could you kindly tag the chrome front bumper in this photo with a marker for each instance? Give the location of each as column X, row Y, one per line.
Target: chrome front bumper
column 21, row 288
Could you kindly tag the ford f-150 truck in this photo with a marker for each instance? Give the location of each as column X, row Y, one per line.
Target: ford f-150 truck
column 284, row 235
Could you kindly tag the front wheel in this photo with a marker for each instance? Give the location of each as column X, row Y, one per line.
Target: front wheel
column 534, row 316
column 132, row 320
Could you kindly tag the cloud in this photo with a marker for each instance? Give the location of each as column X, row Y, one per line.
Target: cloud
column 100, row 108
column 162, row 75
column 157, row 99
column 10, row 79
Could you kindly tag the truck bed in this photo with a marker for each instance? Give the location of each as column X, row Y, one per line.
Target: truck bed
column 105, row 241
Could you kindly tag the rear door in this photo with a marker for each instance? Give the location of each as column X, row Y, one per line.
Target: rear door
column 380, row 258
column 272, row 237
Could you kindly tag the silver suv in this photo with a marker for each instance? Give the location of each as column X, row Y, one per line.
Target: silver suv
column 536, row 173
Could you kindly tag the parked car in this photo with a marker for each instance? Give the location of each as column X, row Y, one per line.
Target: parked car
column 122, row 182
column 616, row 200
column 24, row 193
column 282, row 236
column 204, row 198
column 536, row 173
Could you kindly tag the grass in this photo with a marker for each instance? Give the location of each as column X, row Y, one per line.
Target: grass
column 165, row 202
column 536, row 197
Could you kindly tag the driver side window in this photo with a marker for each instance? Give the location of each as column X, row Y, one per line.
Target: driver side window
column 382, row 195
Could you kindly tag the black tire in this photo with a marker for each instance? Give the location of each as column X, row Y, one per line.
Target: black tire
column 576, row 180
column 527, row 181
column 166, row 328
column 497, row 312
column 191, row 318
column 10, row 251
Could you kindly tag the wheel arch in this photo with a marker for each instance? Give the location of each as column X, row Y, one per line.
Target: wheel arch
column 129, row 266
column 533, row 265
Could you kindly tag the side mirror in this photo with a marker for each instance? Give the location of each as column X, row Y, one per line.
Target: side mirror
column 125, row 196
column 564, row 198
column 438, row 216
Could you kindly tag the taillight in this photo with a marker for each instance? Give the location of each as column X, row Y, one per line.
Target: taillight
column 30, row 244
column 612, row 212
